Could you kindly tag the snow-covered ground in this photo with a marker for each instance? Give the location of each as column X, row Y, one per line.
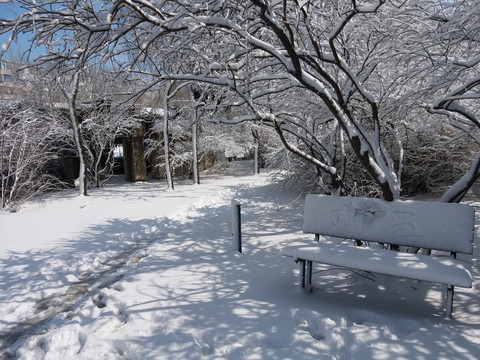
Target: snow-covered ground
column 135, row 271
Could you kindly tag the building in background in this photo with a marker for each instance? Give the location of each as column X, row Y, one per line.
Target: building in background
column 16, row 80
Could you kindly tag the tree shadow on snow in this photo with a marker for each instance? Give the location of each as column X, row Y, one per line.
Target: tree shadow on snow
column 195, row 296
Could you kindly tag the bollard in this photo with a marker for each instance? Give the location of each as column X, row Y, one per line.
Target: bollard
column 236, row 226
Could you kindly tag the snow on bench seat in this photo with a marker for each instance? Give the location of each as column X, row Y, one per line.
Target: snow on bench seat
column 446, row 270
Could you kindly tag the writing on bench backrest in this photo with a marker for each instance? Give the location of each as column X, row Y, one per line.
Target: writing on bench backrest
column 401, row 224
column 433, row 225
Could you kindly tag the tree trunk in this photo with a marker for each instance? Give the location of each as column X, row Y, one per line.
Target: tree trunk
column 165, row 136
column 77, row 134
column 196, row 179
column 256, row 168
column 458, row 190
column 3, row 179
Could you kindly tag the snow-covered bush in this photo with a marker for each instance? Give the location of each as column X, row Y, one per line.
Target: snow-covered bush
column 31, row 144
column 435, row 157
column 100, row 127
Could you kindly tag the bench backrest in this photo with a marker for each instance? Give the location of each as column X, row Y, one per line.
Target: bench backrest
column 431, row 225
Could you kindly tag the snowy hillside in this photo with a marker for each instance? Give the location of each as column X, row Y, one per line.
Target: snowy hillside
column 138, row 272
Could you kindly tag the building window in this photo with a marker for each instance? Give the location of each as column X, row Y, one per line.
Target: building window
column 7, row 78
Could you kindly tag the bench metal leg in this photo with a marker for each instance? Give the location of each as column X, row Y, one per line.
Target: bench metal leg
column 449, row 304
column 301, row 279
column 308, row 276
column 305, row 274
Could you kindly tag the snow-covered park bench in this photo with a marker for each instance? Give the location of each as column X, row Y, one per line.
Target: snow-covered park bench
column 445, row 228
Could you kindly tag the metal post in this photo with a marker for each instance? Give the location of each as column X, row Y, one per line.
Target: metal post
column 308, row 276
column 301, row 273
column 449, row 303
column 236, row 226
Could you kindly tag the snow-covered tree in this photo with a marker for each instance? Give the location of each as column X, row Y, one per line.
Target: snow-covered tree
column 32, row 138
column 459, row 96
column 101, row 125
column 327, row 75
column 438, row 71
column 263, row 50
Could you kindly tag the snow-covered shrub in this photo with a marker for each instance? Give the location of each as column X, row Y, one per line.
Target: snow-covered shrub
column 302, row 176
column 435, row 156
column 30, row 148
column 100, row 126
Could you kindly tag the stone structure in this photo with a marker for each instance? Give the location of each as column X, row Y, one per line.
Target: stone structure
column 133, row 155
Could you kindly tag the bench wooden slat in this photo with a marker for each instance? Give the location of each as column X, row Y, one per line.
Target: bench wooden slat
column 414, row 266
column 431, row 225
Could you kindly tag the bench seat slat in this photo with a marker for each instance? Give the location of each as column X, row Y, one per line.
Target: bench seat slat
column 415, row 266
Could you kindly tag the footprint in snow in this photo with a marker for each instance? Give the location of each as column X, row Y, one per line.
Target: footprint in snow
column 117, row 307
column 204, row 345
column 97, row 300
column 312, row 328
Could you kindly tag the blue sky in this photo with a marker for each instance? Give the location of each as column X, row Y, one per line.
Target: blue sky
column 8, row 11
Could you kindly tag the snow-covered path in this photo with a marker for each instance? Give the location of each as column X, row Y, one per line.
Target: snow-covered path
column 164, row 283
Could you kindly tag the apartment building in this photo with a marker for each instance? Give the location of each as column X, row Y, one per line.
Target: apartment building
column 15, row 79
